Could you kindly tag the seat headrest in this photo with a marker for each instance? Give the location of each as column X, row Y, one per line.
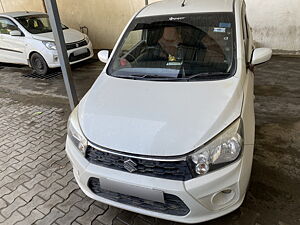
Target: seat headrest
column 40, row 24
column 31, row 23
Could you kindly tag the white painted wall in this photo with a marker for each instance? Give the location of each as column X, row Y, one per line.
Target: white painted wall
column 275, row 23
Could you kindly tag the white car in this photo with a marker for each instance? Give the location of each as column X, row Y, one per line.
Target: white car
column 167, row 130
column 27, row 38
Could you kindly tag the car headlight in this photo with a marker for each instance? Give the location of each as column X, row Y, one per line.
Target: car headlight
column 222, row 150
column 86, row 38
column 75, row 134
column 50, row 45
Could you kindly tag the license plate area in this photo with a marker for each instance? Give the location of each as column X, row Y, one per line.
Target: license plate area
column 132, row 190
column 80, row 52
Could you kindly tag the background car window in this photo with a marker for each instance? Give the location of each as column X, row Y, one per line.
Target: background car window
column 36, row 24
column 6, row 26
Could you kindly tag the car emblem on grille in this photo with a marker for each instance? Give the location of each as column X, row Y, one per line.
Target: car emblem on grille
column 77, row 45
column 130, row 165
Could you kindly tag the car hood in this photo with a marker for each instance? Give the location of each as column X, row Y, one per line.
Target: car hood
column 70, row 36
column 153, row 118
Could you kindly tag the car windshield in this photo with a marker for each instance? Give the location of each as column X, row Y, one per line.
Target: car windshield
column 36, row 24
column 181, row 47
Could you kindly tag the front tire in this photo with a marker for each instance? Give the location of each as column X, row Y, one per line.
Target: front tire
column 38, row 64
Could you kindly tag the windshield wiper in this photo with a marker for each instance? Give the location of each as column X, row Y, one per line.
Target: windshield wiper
column 146, row 76
column 206, row 75
column 155, row 76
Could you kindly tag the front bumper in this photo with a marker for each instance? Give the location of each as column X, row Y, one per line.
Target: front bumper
column 52, row 60
column 203, row 196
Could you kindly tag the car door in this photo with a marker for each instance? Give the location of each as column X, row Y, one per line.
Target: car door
column 12, row 48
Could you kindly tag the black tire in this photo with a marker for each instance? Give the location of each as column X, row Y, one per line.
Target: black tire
column 38, row 64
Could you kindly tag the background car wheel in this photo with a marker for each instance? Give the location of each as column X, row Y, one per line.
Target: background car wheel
column 38, row 64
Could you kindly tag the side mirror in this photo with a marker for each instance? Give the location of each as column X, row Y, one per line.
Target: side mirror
column 15, row 33
column 261, row 55
column 103, row 56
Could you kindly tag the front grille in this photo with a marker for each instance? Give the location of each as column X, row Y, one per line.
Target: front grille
column 73, row 58
column 173, row 170
column 76, row 44
column 173, row 205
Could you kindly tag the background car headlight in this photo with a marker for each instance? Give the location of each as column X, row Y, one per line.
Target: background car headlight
column 75, row 134
column 222, row 150
column 50, row 45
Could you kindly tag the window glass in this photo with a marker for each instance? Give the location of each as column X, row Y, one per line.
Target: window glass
column 36, row 24
column 245, row 33
column 186, row 46
column 133, row 39
column 6, row 26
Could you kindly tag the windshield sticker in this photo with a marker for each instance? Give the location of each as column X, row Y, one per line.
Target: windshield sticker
column 226, row 25
column 176, row 18
column 219, row 29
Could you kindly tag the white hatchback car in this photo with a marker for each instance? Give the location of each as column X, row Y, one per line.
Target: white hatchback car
column 27, row 38
column 167, row 130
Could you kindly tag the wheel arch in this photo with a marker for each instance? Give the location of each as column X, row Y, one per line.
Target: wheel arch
column 31, row 53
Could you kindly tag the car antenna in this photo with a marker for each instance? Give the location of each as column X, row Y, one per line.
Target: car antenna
column 25, row 9
column 2, row 6
column 183, row 3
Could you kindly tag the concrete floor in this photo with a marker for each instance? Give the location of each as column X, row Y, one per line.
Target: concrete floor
column 19, row 80
column 274, row 191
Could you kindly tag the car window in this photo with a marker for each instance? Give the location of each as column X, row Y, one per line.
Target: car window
column 6, row 26
column 36, row 24
column 133, row 39
column 245, row 33
column 181, row 46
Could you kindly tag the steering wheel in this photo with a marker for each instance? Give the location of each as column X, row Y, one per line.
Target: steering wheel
column 131, row 57
column 124, row 62
column 152, row 53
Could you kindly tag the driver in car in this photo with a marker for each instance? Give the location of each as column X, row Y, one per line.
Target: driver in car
column 169, row 43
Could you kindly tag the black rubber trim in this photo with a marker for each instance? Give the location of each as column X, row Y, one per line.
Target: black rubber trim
column 10, row 50
column 172, row 170
column 173, row 205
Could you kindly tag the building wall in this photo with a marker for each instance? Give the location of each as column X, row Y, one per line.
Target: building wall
column 105, row 19
column 275, row 23
column 21, row 5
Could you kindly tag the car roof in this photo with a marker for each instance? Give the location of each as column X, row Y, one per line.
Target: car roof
column 169, row 7
column 21, row 13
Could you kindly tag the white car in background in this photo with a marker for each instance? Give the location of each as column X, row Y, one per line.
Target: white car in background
column 167, row 130
column 27, row 38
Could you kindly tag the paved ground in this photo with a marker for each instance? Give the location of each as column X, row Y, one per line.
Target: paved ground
column 19, row 80
column 37, row 184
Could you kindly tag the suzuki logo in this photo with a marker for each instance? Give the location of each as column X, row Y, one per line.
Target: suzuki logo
column 130, row 165
column 77, row 45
